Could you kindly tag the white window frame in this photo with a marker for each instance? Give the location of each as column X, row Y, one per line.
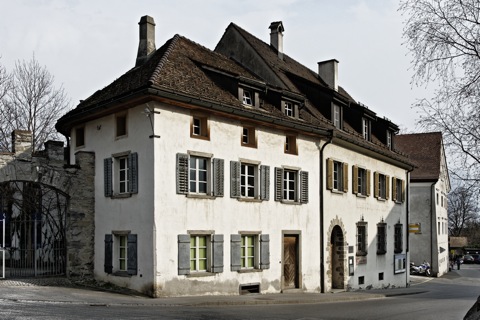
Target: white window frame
column 122, row 251
column 249, row 181
column 122, row 184
column 362, row 181
column 197, row 182
column 290, row 185
column 337, row 119
column 289, row 109
column 366, row 129
column 195, row 248
column 338, row 178
column 247, row 97
column 389, row 139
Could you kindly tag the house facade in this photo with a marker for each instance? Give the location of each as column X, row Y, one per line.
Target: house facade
column 429, row 187
column 240, row 170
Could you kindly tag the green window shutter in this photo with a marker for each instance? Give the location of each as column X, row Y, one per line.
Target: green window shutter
column 303, row 186
column 132, row 254
column 345, row 177
column 235, row 250
column 108, row 264
column 217, row 253
column 218, row 177
column 329, row 174
column 264, row 251
column 264, row 183
column 235, row 179
column 278, row 184
column 182, row 173
column 355, row 179
column 133, row 172
column 107, row 165
column 183, row 254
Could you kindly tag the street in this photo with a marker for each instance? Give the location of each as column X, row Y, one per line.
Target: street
column 448, row 297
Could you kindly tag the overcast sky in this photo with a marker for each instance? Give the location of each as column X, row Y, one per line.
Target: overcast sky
column 87, row 44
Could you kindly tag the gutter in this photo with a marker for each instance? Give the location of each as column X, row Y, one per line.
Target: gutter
column 322, row 210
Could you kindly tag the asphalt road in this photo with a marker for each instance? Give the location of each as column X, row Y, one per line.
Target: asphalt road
column 448, row 297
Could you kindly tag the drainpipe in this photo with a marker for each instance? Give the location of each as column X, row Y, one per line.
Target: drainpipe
column 407, row 273
column 432, row 222
column 322, row 190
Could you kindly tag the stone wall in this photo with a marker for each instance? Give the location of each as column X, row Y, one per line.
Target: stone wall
column 75, row 181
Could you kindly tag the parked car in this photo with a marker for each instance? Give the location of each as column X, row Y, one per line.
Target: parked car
column 476, row 258
column 468, row 259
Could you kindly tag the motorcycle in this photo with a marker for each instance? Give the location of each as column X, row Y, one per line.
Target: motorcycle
column 423, row 269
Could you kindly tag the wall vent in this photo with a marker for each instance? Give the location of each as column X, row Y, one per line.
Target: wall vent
column 249, row 288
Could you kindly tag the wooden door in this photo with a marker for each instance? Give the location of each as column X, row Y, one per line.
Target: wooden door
column 290, row 262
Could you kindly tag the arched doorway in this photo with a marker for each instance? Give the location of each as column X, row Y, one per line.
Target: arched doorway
column 337, row 261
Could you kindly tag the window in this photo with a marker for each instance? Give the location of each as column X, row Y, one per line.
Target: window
column 247, row 97
column 249, row 180
column 200, row 252
column 291, row 185
column 337, row 175
column 291, row 144
column 121, row 253
column 398, row 238
column 361, row 181
column 361, row 238
column 121, row 125
column 249, row 138
column 199, row 174
column 381, row 238
column 398, row 190
column 250, row 251
column 382, row 187
column 389, row 139
column 121, row 174
column 199, row 127
column 288, row 109
column 79, row 137
column 337, row 116
column 366, row 129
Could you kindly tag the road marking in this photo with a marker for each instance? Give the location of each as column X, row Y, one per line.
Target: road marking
column 416, row 283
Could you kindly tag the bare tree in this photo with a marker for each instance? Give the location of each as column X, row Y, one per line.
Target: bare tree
column 462, row 210
column 443, row 38
column 32, row 102
column 5, row 83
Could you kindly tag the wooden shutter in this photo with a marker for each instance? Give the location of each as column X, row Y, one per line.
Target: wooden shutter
column 367, row 173
column 264, row 251
column 278, row 184
column 132, row 254
column 355, row 179
column 329, row 174
column 303, row 186
column 376, row 185
column 387, row 187
column 345, row 177
column 235, row 250
column 403, row 190
column 264, row 183
column 183, row 254
column 218, row 177
column 107, row 171
column 394, row 189
column 217, row 253
column 133, row 172
column 235, row 179
column 108, row 264
column 182, row 173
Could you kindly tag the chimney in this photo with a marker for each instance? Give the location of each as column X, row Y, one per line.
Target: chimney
column 328, row 71
column 276, row 37
column 22, row 144
column 146, row 46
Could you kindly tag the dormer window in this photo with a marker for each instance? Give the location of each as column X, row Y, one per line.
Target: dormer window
column 289, row 109
column 366, row 129
column 337, row 116
column 389, row 139
column 247, row 97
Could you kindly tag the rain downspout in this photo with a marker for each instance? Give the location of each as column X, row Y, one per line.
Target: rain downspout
column 432, row 223
column 322, row 267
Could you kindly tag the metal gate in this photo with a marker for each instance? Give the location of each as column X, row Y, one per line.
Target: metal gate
column 33, row 231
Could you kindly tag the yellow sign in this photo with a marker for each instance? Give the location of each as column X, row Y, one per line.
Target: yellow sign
column 415, row 228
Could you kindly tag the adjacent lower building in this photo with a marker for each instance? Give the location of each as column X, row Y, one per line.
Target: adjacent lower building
column 240, row 170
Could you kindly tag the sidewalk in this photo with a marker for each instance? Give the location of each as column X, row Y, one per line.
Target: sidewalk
column 59, row 291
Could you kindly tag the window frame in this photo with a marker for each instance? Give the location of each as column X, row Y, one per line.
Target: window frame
column 389, row 139
column 261, row 252
column 80, row 137
column 121, row 125
column 248, row 137
column 248, row 97
column 366, row 129
column 300, row 185
column 381, row 238
column 290, row 145
column 244, row 256
column 398, row 190
column 360, row 181
column 337, row 116
column 289, row 109
column 199, row 126
column 114, row 184
column 398, row 238
column 214, row 253
column 198, row 182
column 362, row 236
column 113, row 253
column 246, row 179
column 197, row 259
column 381, row 186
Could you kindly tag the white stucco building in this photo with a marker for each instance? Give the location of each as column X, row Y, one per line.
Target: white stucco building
column 240, row 170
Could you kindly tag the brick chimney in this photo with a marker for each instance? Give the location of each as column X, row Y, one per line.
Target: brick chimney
column 146, row 46
column 328, row 71
column 276, row 37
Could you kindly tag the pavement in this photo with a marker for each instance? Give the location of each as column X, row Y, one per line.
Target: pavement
column 62, row 290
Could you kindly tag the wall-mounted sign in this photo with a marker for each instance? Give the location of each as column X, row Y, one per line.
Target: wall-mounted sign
column 415, row 228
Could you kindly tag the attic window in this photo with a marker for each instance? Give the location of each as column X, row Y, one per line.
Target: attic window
column 247, row 97
column 389, row 139
column 289, row 111
column 337, row 116
column 121, row 128
column 366, row 129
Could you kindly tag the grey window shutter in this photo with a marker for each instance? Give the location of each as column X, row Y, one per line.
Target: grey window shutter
column 108, row 265
column 107, row 165
column 182, row 173
column 132, row 254
column 183, row 254
column 264, row 251
column 278, row 184
column 133, row 172
column 304, row 187
column 235, row 250
column 265, row 183
column 235, row 179
column 218, row 177
column 217, row 253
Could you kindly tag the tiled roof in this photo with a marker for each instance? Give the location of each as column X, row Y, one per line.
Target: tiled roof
column 425, row 150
